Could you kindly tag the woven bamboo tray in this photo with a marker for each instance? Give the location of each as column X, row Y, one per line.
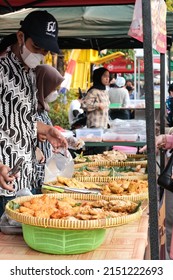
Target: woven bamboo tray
column 132, row 197
column 137, row 156
column 109, row 179
column 69, row 224
column 143, row 163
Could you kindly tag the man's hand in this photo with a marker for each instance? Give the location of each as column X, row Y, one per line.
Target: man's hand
column 6, row 181
column 56, row 139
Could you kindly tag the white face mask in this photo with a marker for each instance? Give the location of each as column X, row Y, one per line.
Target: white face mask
column 31, row 59
column 52, row 96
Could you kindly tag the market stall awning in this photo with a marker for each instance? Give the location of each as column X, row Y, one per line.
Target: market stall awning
column 94, row 27
column 11, row 4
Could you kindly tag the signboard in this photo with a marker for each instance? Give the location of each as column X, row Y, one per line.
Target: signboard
column 158, row 16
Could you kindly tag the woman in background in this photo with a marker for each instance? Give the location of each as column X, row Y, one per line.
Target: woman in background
column 47, row 80
column 96, row 104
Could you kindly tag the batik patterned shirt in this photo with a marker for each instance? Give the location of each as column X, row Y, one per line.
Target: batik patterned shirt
column 18, row 106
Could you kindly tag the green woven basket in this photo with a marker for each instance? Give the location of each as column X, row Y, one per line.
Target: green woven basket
column 62, row 242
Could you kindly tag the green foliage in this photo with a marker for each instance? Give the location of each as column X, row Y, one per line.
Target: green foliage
column 169, row 4
column 59, row 108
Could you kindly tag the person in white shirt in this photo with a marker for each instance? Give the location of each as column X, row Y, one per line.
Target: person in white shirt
column 119, row 95
column 75, row 109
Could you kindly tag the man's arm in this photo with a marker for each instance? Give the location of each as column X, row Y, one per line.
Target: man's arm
column 56, row 139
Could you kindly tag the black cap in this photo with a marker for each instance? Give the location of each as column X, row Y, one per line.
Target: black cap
column 42, row 27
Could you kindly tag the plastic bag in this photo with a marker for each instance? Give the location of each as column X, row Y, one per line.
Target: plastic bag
column 60, row 164
column 8, row 225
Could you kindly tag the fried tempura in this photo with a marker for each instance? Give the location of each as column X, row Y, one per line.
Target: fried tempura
column 68, row 208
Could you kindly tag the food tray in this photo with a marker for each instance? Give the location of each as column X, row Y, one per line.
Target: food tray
column 60, row 241
column 70, row 224
column 137, row 156
column 132, row 197
column 109, row 179
column 143, row 163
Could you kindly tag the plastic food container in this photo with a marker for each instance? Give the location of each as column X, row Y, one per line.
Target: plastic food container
column 138, row 103
column 90, row 134
column 112, row 136
column 142, row 137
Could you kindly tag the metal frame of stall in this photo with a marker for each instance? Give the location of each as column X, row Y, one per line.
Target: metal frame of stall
column 150, row 112
column 155, row 194
column 150, row 130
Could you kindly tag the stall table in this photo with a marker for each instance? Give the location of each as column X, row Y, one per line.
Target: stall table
column 115, row 143
column 126, row 242
column 139, row 111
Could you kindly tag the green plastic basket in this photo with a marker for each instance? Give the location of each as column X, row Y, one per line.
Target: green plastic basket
column 62, row 242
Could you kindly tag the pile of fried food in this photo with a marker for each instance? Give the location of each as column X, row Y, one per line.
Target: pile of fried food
column 112, row 155
column 122, row 187
column 97, row 171
column 68, row 208
column 119, row 186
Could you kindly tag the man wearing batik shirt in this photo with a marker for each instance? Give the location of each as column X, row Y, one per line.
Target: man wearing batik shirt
column 18, row 103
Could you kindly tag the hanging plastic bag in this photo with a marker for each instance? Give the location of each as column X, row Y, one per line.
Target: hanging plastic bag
column 60, row 164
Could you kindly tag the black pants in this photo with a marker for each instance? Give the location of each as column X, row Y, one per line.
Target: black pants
column 119, row 114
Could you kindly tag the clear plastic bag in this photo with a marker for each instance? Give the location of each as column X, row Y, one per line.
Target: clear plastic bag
column 9, row 226
column 60, row 164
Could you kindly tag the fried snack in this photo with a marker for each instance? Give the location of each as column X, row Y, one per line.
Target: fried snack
column 42, row 214
column 116, row 188
column 61, row 213
column 106, row 190
column 122, row 206
column 107, row 155
column 68, row 208
column 26, row 210
column 137, row 186
column 91, row 185
column 98, row 203
column 71, row 201
column 72, row 182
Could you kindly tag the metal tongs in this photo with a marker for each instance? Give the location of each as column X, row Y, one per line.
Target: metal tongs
column 16, row 168
column 68, row 189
